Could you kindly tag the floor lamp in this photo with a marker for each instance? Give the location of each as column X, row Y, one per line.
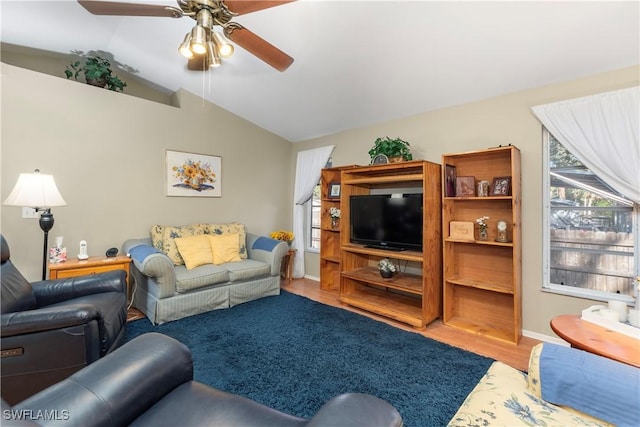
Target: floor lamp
column 38, row 191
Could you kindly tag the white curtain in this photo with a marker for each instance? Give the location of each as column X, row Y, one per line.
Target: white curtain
column 309, row 165
column 603, row 132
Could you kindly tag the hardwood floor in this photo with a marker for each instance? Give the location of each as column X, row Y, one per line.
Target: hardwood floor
column 516, row 356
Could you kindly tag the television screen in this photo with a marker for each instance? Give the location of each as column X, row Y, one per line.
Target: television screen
column 386, row 221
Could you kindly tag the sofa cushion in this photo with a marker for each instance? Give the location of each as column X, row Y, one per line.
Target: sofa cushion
column 246, row 270
column 195, row 250
column 199, row 277
column 156, row 236
column 231, row 228
column 169, row 234
column 225, row 248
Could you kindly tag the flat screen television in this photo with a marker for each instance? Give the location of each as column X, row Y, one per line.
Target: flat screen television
column 387, row 221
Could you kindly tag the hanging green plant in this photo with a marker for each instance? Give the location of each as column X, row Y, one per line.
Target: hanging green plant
column 97, row 72
column 391, row 148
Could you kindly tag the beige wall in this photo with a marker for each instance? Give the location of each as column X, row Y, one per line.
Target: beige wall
column 106, row 151
column 502, row 120
column 112, row 176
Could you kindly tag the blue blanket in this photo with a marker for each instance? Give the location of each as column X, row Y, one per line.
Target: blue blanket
column 140, row 252
column 595, row 385
column 265, row 243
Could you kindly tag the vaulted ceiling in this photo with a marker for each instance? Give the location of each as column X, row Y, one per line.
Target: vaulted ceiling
column 356, row 62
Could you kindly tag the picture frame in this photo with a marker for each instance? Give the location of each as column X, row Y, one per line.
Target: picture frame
column 465, row 186
column 334, row 190
column 449, row 181
column 192, row 174
column 501, row 186
column 461, row 230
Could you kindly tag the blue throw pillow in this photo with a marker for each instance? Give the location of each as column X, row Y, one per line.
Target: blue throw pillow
column 595, row 385
column 140, row 252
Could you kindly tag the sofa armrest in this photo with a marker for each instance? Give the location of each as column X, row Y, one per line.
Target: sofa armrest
column 49, row 292
column 118, row 388
column 151, row 267
column 47, row 319
column 267, row 250
column 355, row 409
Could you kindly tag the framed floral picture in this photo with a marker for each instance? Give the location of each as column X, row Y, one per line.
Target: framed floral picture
column 193, row 175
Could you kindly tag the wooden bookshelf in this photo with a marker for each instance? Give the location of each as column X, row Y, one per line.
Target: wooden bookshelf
column 482, row 279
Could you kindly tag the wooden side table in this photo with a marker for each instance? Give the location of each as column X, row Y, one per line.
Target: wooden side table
column 287, row 265
column 96, row 264
column 597, row 339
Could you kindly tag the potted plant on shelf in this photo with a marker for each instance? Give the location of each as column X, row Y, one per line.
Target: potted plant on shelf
column 387, row 268
column 396, row 149
column 97, row 72
column 335, row 213
column 482, row 227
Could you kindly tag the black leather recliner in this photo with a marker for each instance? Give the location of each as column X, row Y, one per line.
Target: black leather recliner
column 149, row 382
column 53, row 328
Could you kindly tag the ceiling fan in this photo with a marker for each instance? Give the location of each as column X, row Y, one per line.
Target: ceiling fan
column 203, row 46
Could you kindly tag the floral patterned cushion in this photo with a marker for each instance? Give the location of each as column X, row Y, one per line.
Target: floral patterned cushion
column 508, row 397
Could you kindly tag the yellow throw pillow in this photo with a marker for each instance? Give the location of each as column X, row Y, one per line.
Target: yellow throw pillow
column 225, row 248
column 230, row 228
column 169, row 234
column 195, row 250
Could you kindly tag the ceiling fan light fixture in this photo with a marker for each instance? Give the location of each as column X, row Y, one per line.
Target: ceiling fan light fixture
column 198, row 43
column 212, row 55
column 184, row 47
column 204, row 19
column 225, row 49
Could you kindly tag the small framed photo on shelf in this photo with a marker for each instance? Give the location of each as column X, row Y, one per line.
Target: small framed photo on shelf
column 334, row 190
column 461, row 230
column 501, row 186
column 449, row 180
column 465, row 186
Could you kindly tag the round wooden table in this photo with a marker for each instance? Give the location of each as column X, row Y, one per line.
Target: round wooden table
column 597, row 339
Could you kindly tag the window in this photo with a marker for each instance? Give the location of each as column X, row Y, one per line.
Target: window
column 590, row 248
column 313, row 207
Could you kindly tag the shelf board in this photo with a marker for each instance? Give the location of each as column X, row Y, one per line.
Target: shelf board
column 370, row 180
column 480, row 242
column 476, row 198
column 484, row 330
column 401, row 281
column 398, row 307
column 403, row 255
column 335, row 259
column 502, row 288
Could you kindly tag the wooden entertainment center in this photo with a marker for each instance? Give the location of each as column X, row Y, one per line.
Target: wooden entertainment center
column 409, row 297
column 473, row 284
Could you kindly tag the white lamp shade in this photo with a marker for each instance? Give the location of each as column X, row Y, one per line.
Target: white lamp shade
column 35, row 190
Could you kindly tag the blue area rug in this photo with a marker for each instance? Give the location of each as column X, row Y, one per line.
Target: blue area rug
column 294, row 354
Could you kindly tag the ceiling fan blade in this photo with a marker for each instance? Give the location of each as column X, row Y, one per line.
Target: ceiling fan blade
column 259, row 47
column 242, row 7
column 130, row 9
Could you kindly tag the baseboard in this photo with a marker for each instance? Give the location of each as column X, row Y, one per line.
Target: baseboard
column 317, row 279
column 545, row 338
